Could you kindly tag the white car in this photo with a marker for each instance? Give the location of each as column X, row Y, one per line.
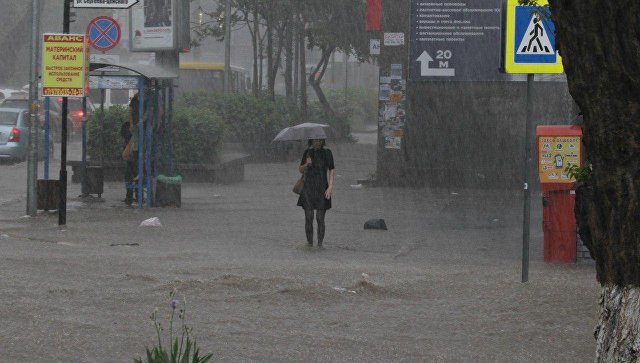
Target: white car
column 8, row 92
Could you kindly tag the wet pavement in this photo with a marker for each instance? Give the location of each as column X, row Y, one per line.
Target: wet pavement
column 441, row 284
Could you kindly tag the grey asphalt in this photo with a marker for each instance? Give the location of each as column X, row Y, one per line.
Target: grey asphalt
column 441, row 284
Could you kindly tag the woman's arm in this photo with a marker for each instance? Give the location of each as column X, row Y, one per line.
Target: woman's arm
column 329, row 192
column 303, row 166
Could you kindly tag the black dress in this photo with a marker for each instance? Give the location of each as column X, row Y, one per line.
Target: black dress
column 315, row 179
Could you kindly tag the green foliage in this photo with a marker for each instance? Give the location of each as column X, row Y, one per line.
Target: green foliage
column 250, row 121
column 196, row 134
column 360, row 105
column 339, row 121
column 581, row 174
column 183, row 348
column 542, row 10
column 113, row 118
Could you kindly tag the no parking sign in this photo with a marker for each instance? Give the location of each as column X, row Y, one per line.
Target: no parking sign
column 104, row 33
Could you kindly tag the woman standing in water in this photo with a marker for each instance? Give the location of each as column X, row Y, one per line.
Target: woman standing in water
column 319, row 171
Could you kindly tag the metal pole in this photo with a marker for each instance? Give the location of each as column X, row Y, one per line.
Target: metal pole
column 140, row 140
column 227, row 48
column 47, row 130
column 525, row 173
column 84, row 150
column 32, row 168
column 62, row 201
column 169, row 129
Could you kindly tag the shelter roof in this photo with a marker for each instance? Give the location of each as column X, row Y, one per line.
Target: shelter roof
column 147, row 71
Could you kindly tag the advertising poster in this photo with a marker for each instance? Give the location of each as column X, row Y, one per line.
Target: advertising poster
column 152, row 26
column 556, row 154
column 64, row 65
column 392, row 107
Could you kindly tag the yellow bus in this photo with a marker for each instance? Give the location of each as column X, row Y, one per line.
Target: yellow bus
column 199, row 76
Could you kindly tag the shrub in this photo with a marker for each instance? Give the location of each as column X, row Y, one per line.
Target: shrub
column 360, row 104
column 196, row 134
column 251, row 121
column 114, row 117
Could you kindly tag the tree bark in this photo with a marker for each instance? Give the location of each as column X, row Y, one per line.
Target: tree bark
column 315, row 80
column 288, row 69
column 270, row 91
column 303, row 67
column 598, row 40
column 256, row 53
column 618, row 324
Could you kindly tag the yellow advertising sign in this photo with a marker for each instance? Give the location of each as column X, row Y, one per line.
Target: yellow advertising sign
column 530, row 44
column 556, row 153
column 64, row 65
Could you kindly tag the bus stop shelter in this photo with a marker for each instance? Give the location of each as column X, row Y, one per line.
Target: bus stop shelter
column 155, row 112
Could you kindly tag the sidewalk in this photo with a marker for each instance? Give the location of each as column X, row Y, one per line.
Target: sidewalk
column 442, row 284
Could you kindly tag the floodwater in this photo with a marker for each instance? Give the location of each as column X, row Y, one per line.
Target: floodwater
column 441, row 284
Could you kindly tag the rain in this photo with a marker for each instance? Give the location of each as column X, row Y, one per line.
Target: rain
column 290, row 180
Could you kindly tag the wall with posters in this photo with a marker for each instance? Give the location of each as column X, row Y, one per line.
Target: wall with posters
column 455, row 134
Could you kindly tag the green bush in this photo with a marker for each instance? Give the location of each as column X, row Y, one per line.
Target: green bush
column 360, row 104
column 250, row 121
column 114, row 117
column 196, row 134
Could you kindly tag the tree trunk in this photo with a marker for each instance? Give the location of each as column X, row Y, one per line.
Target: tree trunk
column 270, row 91
column 288, row 79
column 261, row 70
column 618, row 324
column 598, row 40
column 256, row 53
column 315, row 80
column 303, row 67
column 296, row 60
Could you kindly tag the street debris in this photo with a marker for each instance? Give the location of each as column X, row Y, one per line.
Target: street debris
column 342, row 290
column 151, row 222
column 356, row 186
column 124, row 244
column 375, row 224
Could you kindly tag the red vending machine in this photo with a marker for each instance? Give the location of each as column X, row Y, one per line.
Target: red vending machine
column 559, row 147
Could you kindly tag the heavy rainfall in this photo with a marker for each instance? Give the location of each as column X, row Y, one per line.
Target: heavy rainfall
column 303, row 180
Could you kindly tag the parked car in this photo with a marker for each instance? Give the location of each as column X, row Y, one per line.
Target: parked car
column 14, row 134
column 22, row 101
column 8, row 92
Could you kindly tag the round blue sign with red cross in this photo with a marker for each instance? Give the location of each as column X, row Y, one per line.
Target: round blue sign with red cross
column 103, row 33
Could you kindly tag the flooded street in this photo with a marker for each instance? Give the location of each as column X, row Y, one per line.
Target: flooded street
column 441, row 284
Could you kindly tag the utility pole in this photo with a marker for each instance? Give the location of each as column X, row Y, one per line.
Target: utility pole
column 32, row 168
column 227, row 48
column 62, row 201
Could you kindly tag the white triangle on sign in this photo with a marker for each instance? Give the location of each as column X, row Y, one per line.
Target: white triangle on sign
column 535, row 39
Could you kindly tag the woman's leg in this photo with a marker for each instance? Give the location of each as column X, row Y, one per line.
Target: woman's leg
column 308, row 225
column 320, row 219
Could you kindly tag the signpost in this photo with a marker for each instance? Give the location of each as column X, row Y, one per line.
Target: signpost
column 104, row 33
column 456, row 41
column 530, row 48
column 104, row 4
column 530, row 45
column 64, row 65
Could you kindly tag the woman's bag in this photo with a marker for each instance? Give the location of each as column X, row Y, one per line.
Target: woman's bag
column 126, row 153
column 297, row 188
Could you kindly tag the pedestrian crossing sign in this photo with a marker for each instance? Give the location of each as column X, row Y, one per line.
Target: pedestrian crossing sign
column 530, row 41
